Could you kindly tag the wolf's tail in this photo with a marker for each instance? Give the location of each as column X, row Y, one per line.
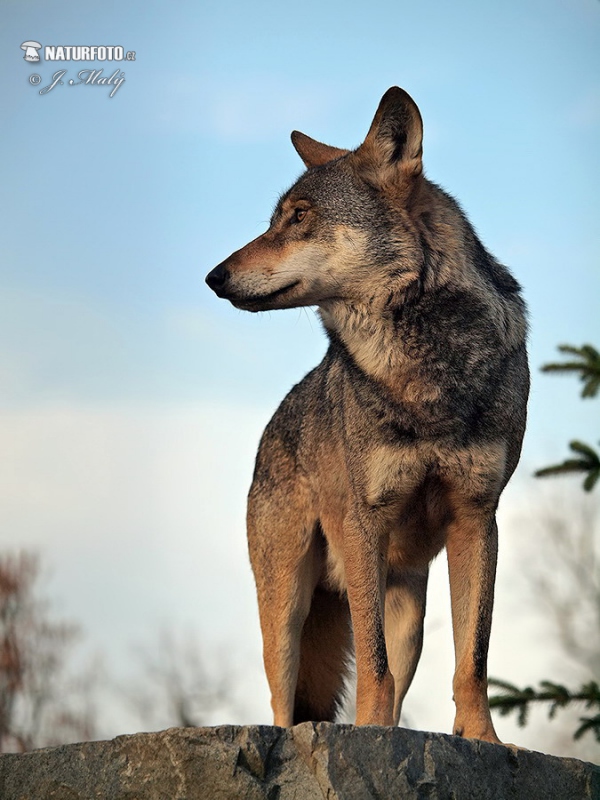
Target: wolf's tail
column 325, row 653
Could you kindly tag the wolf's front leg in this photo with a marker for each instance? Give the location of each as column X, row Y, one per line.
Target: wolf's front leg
column 365, row 563
column 472, row 547
column 285, row 561
column 284, row 593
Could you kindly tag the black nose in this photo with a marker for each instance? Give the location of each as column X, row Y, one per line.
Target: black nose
column 217, row 278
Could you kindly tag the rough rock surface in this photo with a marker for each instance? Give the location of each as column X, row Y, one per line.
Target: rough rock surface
column 336, row 762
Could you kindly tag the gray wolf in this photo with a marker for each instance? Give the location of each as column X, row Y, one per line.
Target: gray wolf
column 398, row 444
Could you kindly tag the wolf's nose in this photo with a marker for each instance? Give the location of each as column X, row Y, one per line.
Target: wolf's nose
column 217, row 278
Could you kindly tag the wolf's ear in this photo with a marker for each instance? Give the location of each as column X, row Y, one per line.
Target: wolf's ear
column 313, row 153
column 393, row 144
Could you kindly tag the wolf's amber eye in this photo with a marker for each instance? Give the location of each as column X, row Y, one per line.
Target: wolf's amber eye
column 299, row 215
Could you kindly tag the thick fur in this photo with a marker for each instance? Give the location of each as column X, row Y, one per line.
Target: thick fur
column 399, row 443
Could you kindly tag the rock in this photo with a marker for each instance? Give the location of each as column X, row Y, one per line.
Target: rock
column 308, row 762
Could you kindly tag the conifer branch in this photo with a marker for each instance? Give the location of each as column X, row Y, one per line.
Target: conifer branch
column 511, row 698
column 589, row 463
column 587, row 365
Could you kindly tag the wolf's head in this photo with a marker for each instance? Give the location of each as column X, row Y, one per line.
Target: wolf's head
column 350, row 215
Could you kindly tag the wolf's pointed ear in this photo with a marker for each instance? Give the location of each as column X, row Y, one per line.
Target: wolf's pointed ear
column 313, row 153
column 395, row 138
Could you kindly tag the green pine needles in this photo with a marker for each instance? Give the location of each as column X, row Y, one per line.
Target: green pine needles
column 586, row 364
column 512, row 699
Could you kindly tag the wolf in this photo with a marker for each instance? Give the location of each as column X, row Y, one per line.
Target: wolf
column 398, row 444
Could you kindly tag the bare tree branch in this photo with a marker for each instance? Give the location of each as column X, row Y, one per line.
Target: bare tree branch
column 36, row 707
column 182, row 686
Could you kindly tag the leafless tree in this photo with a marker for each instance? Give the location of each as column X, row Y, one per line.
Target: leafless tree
column 560, row 574
column 182, row 687
column 564, row 576
column 38, row 705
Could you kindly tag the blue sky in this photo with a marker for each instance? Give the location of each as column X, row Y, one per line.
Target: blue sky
column 114, row 209
column 118, row 367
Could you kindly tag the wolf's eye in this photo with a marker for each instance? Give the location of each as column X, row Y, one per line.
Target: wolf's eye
column 299, row 214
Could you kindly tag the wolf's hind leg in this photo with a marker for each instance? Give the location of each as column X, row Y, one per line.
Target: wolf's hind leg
column 404, row 614
column 472, row 549
column 324, row 652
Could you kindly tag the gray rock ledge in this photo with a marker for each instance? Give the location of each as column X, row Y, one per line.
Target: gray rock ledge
column 308, row 762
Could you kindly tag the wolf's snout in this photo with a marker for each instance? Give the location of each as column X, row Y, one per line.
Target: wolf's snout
column 217, row 279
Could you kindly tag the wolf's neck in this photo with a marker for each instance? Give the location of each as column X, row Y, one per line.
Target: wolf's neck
column 375, row 343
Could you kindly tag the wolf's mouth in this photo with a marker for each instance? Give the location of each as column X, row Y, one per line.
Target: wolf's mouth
column 265, row 298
